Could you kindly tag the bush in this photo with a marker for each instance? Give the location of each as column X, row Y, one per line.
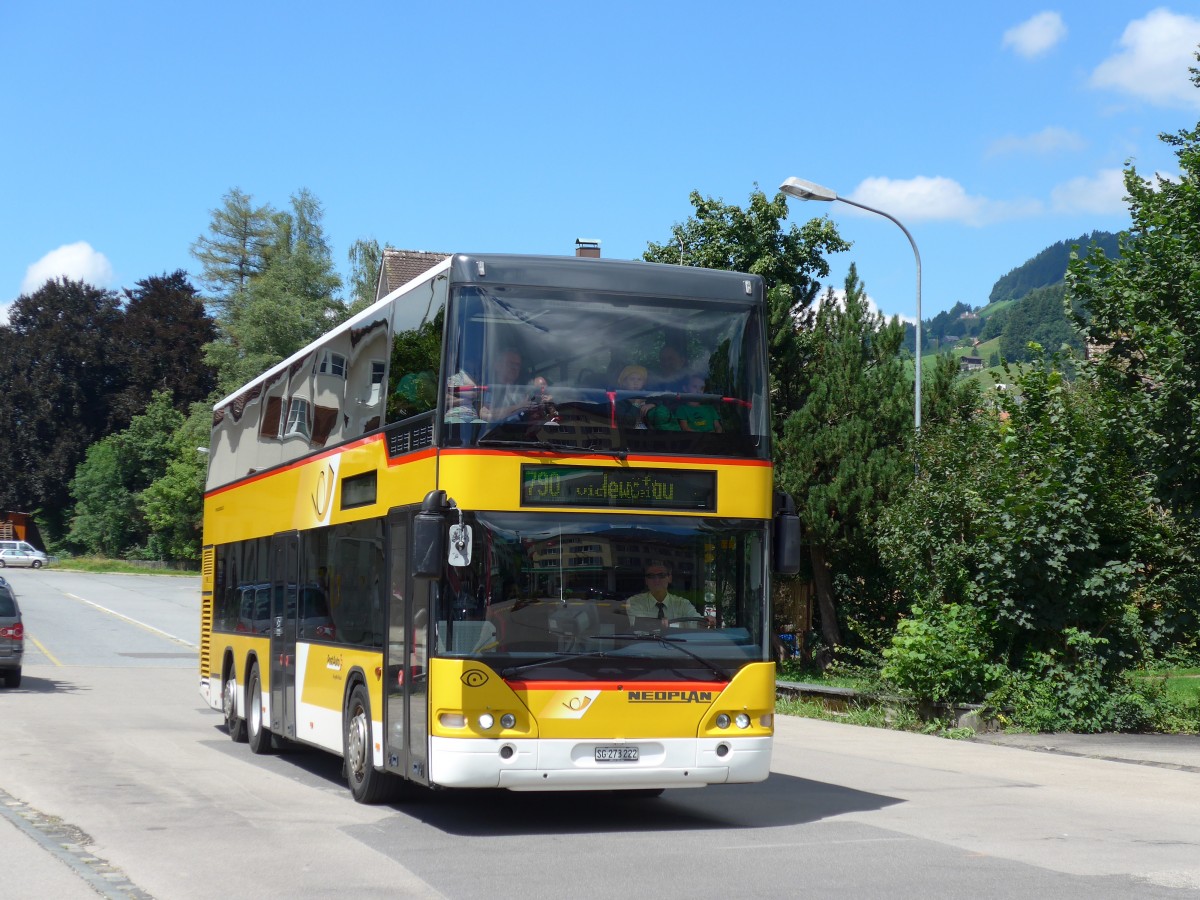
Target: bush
column 941, row 654
column 1074, row 690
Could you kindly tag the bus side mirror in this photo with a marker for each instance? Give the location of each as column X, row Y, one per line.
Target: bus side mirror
column 787, row 535
column 429, row 537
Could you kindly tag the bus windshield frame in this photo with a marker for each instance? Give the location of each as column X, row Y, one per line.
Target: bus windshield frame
column 553, row 598
column 590, row 370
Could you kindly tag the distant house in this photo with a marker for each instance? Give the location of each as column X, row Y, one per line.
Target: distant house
column 970, row 363
column 402, row 266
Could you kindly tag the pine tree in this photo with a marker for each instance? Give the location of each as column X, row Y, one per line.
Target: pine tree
column 845, row 446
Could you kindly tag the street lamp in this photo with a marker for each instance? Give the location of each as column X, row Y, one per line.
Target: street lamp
column 806, row 190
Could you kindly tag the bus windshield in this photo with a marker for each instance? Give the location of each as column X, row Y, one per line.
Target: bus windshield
column 607, row 597
column 593, row 371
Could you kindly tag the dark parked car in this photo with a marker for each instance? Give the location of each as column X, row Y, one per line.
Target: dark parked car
column 12, row 636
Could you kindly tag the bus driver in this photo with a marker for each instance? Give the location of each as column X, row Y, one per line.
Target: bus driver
column 656, row 602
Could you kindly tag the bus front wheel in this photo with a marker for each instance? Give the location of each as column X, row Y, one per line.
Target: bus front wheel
column 367, row 784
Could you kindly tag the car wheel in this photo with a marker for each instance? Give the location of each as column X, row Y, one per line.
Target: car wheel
column 257, row 734
column 12, row 678
column 2, row 564
column 234, row 723
column 37, row 563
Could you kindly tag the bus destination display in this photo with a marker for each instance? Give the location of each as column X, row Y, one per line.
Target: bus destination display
column 618, row 488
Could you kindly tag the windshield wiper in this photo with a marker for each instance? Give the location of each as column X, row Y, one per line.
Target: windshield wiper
column 561, row 656
column 674, row 642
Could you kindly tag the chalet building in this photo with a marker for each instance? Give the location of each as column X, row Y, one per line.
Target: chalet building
column 402, row 266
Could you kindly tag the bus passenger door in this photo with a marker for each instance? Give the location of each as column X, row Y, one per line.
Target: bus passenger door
column 285, row 588
column 407, row 658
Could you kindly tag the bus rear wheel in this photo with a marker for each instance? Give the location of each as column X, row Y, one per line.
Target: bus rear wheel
column 367, row 784
column 257, row 734
column 233, row 722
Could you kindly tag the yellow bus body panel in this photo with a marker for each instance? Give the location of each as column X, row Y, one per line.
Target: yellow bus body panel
column 590, row 710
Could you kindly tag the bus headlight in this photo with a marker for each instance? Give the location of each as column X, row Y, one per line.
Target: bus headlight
column 508, row 720
column 452, row 720
column 743, row 720
column 486, row 721
column 723, row 720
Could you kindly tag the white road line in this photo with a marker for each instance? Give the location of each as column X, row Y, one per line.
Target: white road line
column 113, row 612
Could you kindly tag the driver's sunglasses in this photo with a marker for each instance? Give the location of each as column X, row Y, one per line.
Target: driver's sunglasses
column 656, row 574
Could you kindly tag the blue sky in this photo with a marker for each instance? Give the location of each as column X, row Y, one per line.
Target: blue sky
column 990, row 130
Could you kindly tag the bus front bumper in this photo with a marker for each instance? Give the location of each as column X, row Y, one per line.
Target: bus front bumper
column 570, row 765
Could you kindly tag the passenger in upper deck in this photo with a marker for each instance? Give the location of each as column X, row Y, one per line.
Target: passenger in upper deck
column 697, row 414
column 462, row 399
column 671, row 374
column 632, row 411
column 506, row 392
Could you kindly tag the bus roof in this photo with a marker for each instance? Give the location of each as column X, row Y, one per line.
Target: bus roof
column 567, row 272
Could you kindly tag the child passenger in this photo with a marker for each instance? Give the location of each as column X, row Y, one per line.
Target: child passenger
column 697, row 414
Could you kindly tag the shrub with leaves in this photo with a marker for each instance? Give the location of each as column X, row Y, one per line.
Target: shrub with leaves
column 942, row 653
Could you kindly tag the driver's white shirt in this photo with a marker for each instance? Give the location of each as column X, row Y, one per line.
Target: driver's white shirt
column 644, row 606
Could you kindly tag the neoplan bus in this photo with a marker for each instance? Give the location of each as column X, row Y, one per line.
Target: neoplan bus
column 423, row 533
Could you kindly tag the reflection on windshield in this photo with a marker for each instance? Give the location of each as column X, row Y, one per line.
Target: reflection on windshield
column 607, row 596
column 604, row 372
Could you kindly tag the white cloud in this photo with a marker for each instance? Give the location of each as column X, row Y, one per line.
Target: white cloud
column 1051, row 139
column 77, row 261
column 937, row 199
column 1037, row 35
column 1153, row 64
column 1100, row 194
column 839, row 298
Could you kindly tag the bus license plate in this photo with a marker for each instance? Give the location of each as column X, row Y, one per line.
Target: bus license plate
column 616, row 754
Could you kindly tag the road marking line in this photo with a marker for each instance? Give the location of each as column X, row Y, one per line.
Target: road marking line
column 45, row 652
column 113, row 612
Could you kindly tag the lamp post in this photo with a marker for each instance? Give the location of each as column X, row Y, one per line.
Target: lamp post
column 806, row 190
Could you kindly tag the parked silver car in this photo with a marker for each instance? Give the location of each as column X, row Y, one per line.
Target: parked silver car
column 31, row 559
column 12, row 636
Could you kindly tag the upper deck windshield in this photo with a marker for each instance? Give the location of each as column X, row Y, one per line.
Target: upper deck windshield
column 554, row 599
column 586, row 370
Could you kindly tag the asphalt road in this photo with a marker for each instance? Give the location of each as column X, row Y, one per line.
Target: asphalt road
column 115, row 779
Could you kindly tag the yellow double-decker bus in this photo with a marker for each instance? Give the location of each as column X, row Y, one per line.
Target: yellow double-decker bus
column 512, row 526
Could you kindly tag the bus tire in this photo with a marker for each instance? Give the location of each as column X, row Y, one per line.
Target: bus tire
column 257, row 733
column 233, row 722
column 367, row 784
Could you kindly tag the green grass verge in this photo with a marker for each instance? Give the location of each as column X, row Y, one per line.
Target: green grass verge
column 114, row 566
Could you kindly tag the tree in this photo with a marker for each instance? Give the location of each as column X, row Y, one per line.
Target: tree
column 234, row 251
column 845, row 444
column 117, row 469
column 366, row 256
column 173, row 504
column 721, row 236
column 167, row 327
column 1031, row 514
column 64, row 361
column 1143, row 307
column 286, row 305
